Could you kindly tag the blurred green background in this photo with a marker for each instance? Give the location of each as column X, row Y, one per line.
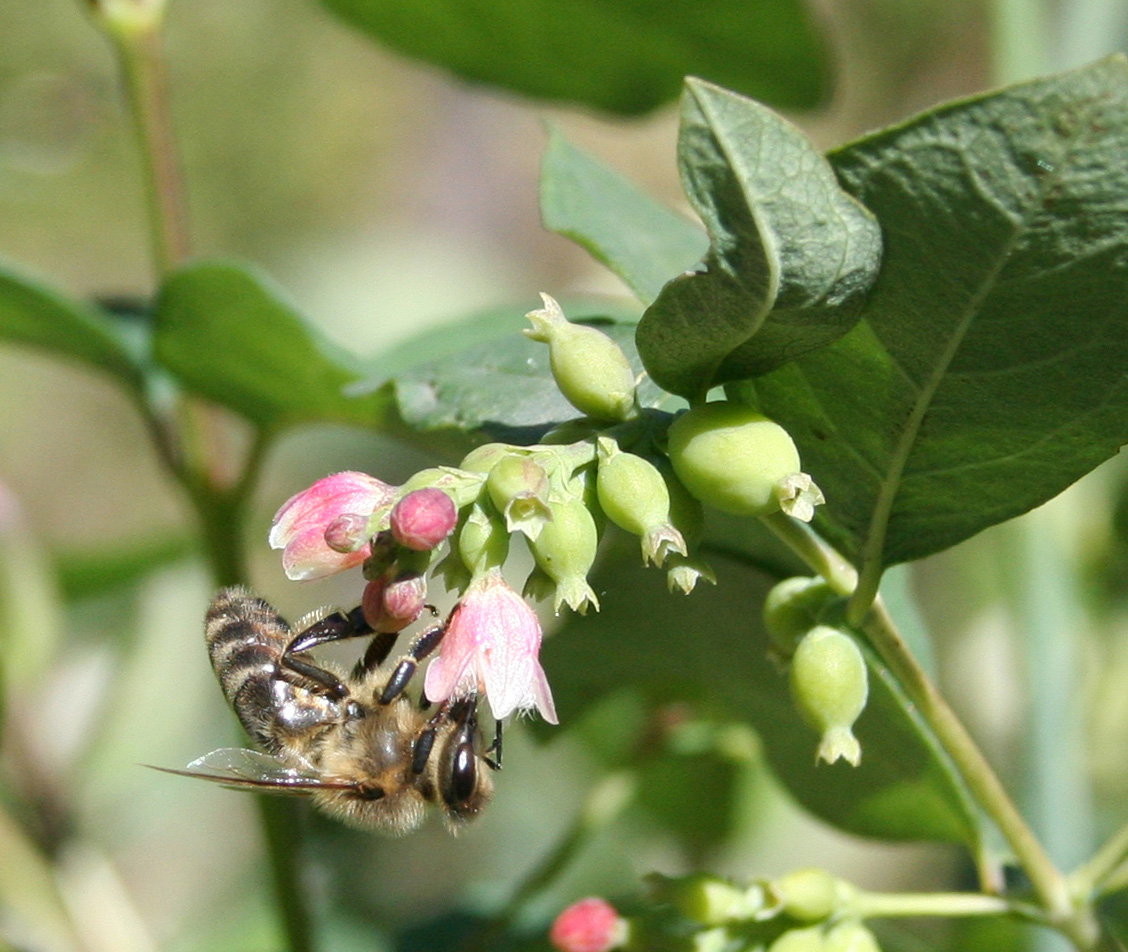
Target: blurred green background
column 387, row 197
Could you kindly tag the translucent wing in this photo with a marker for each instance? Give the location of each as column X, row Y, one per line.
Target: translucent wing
column 241, row 768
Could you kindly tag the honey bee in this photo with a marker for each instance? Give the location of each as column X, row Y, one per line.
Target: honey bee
column 355, row 743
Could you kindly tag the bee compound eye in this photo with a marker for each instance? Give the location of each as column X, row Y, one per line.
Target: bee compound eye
column 463, row 775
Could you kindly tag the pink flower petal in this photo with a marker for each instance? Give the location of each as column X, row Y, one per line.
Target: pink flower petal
column 300, row 524
column 491, row 645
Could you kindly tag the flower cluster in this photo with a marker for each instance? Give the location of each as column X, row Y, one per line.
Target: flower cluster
column 611, row 465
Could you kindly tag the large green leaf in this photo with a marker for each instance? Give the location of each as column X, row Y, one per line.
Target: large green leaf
column 791, row 254
column 627, row 56
column 990, row 369
column 228, row 334
column 708, row 649
column 640, row 239
column 505, row 384
column 37, row 316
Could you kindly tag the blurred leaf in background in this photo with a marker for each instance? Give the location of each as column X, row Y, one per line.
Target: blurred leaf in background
column 625, row 56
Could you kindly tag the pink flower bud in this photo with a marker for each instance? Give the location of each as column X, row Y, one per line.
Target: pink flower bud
column 405, row 598
column 590, row 925
column 391, row 604
column 491, row 646
column 347, row 533
column 300, row 526
column 423, row 518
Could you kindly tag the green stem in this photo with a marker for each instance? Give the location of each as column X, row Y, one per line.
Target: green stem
column 1107, row 870
column 141, row 56
column 601, row 806
column 840, row 575
column 873, row 905
column 977, row 773
column 279, row 818
column 187, row 445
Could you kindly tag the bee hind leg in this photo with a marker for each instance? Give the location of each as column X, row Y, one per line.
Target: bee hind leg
column 335, row 626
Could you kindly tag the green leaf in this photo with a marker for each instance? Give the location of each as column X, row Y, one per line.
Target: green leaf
column 92, row 574
column 989, row 370
column 38, row 316
column 625, row 56
column 641, row 240
column 505, row 384
column 708, row 650
column 791, row 254
column 229, row 335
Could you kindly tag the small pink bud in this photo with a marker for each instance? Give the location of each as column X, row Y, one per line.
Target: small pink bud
column 423, row 518
column 405, row 598
column 300, row 525
column 590, row 925
column 491, row 646
column 372, row 602
column 391, row 604
column 347, row 533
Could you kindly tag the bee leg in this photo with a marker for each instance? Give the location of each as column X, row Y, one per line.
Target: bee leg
column 494, row 748
column 319, row 676
column 422, row 646
column 376, row 654
column 426, row 739
column 333, row 627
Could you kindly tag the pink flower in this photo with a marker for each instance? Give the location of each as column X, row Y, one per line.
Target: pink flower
column 423, row 518
column 491, row 646
column 590, row 925
column 299, row 526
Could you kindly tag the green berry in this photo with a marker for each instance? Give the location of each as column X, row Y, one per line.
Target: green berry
column 518, row 488
column 565, row 551
column 850, row 937
column 634, row 496
column 799, row 940
column 829, row 685
column 483, row 541
column 810, row 895
column 732, row 458
column 792, row 608
column 590, row 369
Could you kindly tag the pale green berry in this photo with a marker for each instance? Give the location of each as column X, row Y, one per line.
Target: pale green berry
column 850, row 937
column 483, row 541
column 518, row 488
column 483, row 458
column 590, row 369
column 811, row 895
column 799, row 940
column 829, row 685
column 461, row 485
column 565, row 551
column 733, row 458
column 634, row 496
column 792, row 608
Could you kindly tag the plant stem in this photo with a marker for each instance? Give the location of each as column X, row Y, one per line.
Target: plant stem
column 873, row 905
column 1099, row 873
column 187, row 444
column 1048, row 883
column 140, row 53
column 601, row 806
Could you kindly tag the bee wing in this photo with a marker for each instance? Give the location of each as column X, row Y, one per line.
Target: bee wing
column 241, row 768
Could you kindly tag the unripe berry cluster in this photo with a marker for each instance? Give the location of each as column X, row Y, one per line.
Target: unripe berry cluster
column 807, row 910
